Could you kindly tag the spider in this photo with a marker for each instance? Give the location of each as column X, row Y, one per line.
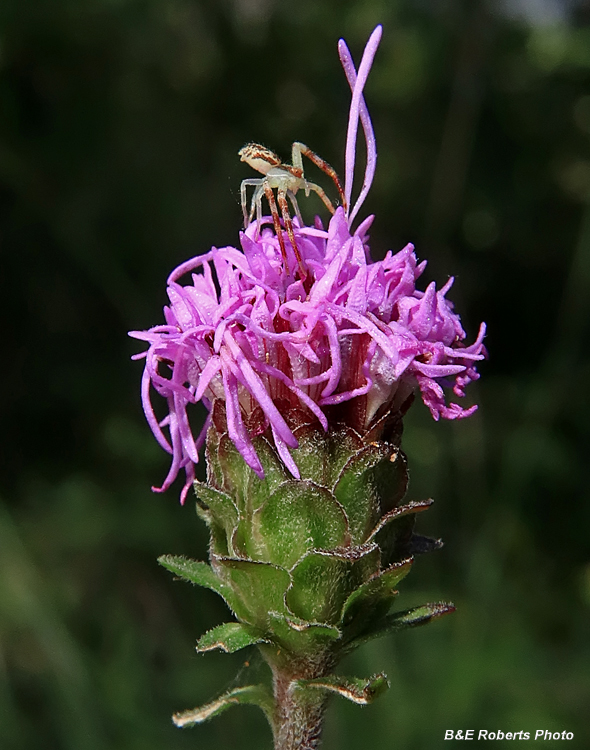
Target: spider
column 287, row 179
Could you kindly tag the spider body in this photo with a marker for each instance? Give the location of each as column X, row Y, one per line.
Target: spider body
column 287, row 180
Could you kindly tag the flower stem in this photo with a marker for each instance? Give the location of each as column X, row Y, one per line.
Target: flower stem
column 299, row 714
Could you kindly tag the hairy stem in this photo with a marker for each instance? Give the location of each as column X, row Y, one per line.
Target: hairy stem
column 299, row 714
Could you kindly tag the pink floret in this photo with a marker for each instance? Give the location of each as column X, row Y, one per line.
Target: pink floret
column 246, row 331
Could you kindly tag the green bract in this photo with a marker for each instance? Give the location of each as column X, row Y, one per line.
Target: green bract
column 308, row 567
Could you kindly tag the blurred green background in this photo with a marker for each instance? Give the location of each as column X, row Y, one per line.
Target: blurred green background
column 120, row 122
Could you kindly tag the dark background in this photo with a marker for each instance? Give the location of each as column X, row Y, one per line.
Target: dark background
column 120, row 122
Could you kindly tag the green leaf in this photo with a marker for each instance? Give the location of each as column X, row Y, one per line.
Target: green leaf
column 275, row 473
column 322, row 581
column 201, row 574
column 231, row 637
column 355, row 490
column 281, row 624
column 389, row 426
column 372, row 481
column 240, row 481
column 319, row 587
column 218, row 541
column 260, row 587
column 298, row 517
column 221, row 506
column 409, row 618
column 393, row 533
column 321, row 456
column 233, row 469
column 391, row 479
column 298, row 636
column 377, row 590
column 355, row 689
column 399, row 512
column 249, row 694
column 221, row 516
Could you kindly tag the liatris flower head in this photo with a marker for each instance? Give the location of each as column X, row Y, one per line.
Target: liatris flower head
column 324, row 329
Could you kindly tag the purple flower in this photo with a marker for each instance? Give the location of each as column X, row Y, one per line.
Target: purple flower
column 247, row 329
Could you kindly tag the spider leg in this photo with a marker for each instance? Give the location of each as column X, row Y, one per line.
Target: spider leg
column 257, row 204
column 283, row 205
column 276, row 221
column 317, row 189
column 300, row 149
column 296, row 155
column 293, row 199
column 243, row 189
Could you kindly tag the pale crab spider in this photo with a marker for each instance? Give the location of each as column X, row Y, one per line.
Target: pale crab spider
column 287, row 179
